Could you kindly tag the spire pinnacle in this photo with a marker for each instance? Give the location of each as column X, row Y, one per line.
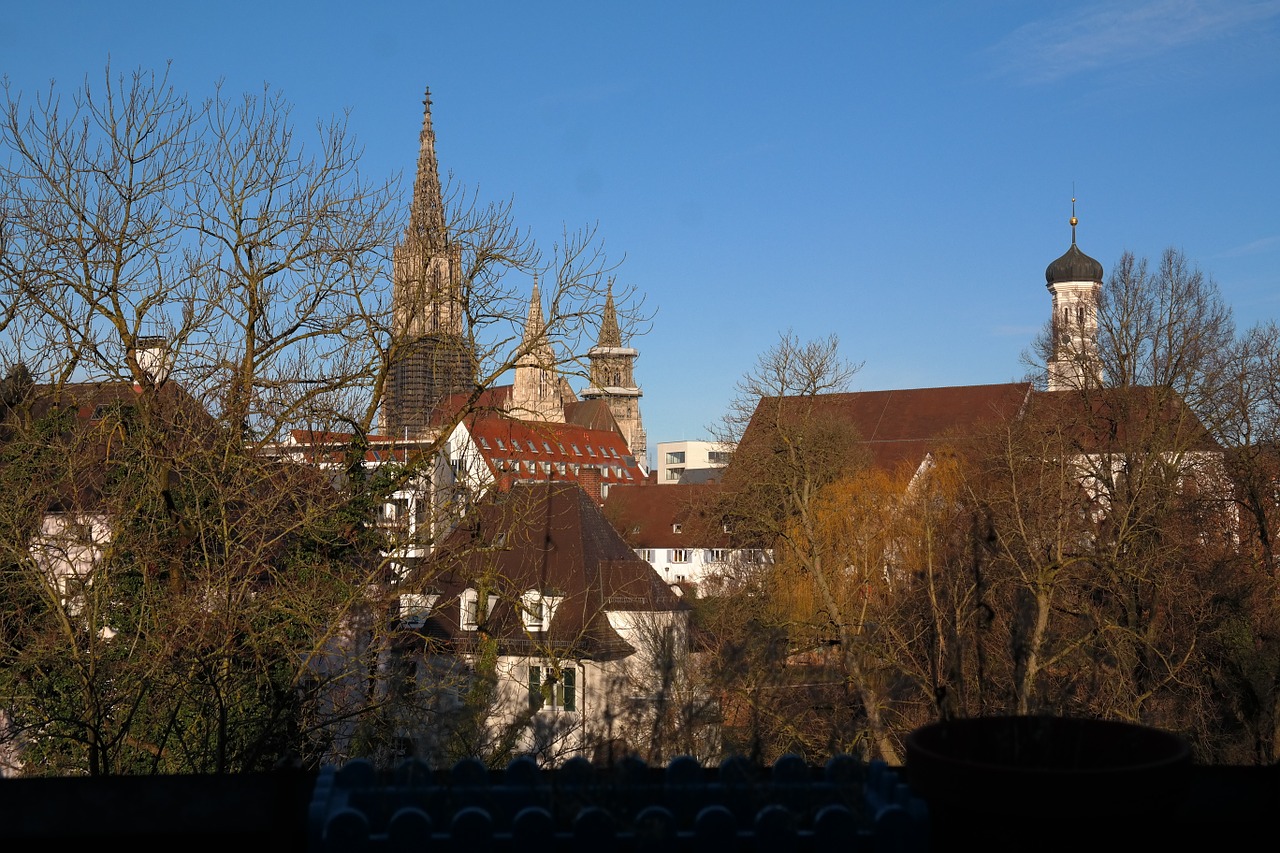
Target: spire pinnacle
column 610, row 336
column 1074, row 221
column 534, row 324
column 426, row 215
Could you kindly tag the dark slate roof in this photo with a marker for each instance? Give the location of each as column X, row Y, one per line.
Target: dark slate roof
column 1074, row 265
column 540, row 536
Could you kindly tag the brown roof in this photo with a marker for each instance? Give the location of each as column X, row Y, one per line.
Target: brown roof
column 647, row 516
column 902, row 426
column 540, row 536
column 1116, row 419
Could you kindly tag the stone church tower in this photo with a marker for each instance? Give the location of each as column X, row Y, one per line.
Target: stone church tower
column 1075, row 282
column 613, row 380
column 433, row 356
column 537, row 393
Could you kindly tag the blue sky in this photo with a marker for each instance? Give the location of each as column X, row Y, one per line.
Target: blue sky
column 897, row 174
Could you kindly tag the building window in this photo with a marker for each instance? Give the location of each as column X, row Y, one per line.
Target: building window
column 414, row 609
column 549, row 691
column 538, row 609
column 675, row 473
column 501, row 445
column 613, row 451
column 533, row 448
column 591, row 451
column 576, row 450
column 676, row 458
column 679, row 555
column 546, row 446
column 473, row 615
column 645, row 554
column 677, row 528
column 484, row 442
column 719, row 555
column 718, row 457
column 561, row 468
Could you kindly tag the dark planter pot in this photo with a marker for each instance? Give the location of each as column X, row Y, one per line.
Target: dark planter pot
column 1062, row 779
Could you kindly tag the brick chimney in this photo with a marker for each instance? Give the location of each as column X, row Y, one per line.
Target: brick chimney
column 589, row 479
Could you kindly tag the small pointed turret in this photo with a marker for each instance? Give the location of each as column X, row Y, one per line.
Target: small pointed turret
column 613, row 380
column 536, row 393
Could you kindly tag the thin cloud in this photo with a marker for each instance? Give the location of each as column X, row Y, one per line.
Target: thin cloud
column 1257, row 247
column 1104, row 35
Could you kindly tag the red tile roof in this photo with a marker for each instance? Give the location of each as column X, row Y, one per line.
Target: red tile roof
column 530, row 450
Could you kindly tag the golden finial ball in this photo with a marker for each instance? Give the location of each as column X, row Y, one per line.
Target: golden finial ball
column 1074, row 222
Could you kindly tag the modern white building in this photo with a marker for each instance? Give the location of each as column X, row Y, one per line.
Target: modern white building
column 691, row 461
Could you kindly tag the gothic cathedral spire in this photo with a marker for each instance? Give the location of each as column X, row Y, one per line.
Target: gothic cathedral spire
column 431, row 356
column 536, row 392
column 613, row 380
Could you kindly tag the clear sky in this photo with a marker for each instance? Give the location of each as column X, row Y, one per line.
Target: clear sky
column 899, row 174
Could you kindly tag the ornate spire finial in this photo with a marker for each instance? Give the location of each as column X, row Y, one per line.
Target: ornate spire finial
column 610, row 334
column 1074, row 221
column 426, row 215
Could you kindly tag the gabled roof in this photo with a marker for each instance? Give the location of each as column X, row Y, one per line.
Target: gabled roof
column 548, row 537
column 1113, row 420
column 592, row 414
column 903, row 426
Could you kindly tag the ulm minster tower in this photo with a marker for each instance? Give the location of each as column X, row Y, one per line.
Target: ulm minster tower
column 434, row 356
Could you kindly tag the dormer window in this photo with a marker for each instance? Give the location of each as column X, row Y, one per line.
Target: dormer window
column 538, row 608
column 475, row 611
column 677, row 528
column 415, row 608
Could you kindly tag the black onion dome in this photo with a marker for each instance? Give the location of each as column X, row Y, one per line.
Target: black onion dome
column 1075, row 265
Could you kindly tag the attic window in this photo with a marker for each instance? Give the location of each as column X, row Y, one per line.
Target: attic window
column 415, row 608
column 604, row 452
column 677, row 528
column 501, row 445
column 472, row 613
column 576, row 450
column 484, row 442
column 547, row 446
column 591, row 451
column 533, row 448
column 613, row 451
column 561, row 446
